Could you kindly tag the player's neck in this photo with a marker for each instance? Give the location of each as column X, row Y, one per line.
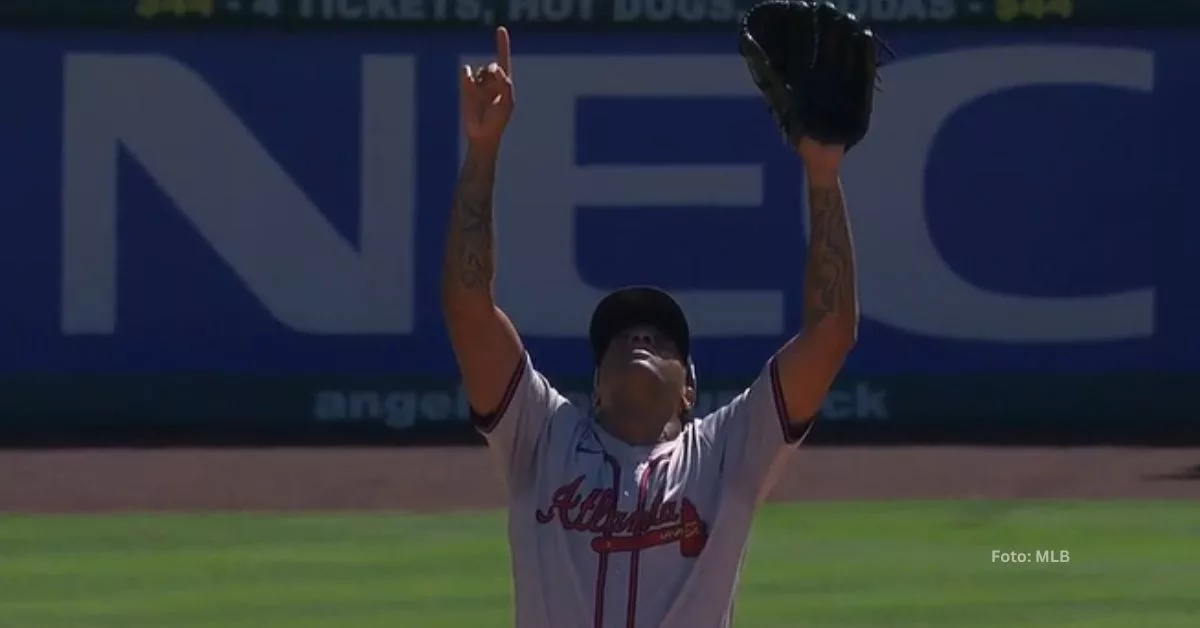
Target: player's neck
column 638, row 431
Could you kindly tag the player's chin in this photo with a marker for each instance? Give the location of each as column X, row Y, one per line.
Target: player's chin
column 644, row 371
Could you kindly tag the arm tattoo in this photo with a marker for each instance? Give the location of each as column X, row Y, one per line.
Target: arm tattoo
column 470, row 261
column 829, row 289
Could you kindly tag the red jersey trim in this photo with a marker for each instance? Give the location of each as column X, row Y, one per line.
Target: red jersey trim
column 792, row 433
column 485, row 423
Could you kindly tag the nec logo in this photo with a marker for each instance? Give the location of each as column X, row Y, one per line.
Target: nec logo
column 308, row 277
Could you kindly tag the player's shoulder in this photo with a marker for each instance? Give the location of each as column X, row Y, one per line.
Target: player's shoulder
column 569, row 416
column 563, row 401
column 716, row 412
column 697, row 432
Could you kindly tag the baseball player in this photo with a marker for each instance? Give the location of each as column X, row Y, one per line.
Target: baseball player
column 633, row 513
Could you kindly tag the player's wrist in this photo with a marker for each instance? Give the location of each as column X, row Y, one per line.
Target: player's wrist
column 484, row 146
column 821, row 175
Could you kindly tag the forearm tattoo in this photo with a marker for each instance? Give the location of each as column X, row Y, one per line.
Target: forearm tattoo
column 829, row 279
column 470, row 263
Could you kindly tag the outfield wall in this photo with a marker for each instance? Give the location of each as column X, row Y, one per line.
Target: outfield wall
column 237, row 229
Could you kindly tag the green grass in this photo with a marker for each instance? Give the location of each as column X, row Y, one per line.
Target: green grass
column 1132, row 565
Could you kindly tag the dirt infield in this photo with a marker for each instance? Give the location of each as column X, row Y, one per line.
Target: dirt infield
column 455, row 478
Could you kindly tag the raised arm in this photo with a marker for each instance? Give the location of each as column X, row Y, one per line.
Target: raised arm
column 511, row 403
column 816, row 67
column 485, row 342
column 761, row 426
column 808, row 363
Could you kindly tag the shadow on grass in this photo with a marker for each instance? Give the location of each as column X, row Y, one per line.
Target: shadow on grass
column 1188, row 473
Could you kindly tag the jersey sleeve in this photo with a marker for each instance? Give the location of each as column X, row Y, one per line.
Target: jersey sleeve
column 753, row 434
column 522, row 422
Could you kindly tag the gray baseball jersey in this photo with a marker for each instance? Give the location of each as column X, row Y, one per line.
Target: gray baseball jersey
column 608, row 535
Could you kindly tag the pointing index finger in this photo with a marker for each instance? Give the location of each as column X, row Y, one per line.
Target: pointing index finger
column 503, row 50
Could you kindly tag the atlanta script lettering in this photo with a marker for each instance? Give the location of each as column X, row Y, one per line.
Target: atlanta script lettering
column 660, row 523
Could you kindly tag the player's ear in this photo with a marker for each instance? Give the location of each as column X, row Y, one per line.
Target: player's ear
column 689, row 398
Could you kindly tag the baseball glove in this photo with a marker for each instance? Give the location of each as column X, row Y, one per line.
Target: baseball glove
column 815, row 65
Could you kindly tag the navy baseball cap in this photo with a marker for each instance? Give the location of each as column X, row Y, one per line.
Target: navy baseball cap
column 640, row 305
